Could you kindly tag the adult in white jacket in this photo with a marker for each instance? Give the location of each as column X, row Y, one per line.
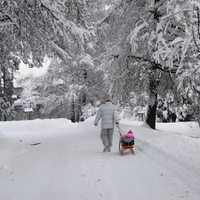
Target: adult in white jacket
column 108, row 115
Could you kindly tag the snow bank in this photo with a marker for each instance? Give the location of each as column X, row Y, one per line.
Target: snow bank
column 35, row 125
column 176, row 152
column 8, row 149
column 190, row 129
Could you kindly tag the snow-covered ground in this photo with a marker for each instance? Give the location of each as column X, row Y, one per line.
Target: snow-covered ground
column 69, row 163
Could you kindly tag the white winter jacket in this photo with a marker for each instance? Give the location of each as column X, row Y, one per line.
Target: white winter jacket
column 108, row 115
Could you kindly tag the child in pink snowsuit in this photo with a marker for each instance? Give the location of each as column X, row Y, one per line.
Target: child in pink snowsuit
column 127, row 135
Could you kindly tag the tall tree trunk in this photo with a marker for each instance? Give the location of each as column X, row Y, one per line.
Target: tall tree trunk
column 153, row 83
column 151, row 113
column 73, row 116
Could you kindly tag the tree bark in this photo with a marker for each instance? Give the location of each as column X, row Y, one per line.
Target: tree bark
column 153, row 83
column 151, row 113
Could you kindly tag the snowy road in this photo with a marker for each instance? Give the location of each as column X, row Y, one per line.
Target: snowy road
column 69, row 164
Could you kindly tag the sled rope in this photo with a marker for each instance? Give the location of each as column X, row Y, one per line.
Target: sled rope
column 119, row 130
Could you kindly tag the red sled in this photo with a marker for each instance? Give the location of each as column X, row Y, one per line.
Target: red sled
column 126, row 144
column 126, row 141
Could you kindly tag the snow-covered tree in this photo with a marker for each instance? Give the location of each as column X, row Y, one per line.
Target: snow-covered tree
column 7, row 70
column 32, row 30
column 68, row 88
column 155, row 40
column 167, row 41
column 29, row 95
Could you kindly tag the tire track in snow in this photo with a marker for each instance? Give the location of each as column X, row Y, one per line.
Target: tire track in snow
column 168, row 156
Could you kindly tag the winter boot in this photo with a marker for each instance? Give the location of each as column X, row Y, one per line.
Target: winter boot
column 105, row 148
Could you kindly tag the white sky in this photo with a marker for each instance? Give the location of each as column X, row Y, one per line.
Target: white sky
column 24, row 70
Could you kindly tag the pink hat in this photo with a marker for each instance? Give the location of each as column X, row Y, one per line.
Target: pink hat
column 129, row 134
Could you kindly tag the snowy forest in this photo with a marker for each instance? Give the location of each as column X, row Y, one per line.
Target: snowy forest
column 145, row 53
